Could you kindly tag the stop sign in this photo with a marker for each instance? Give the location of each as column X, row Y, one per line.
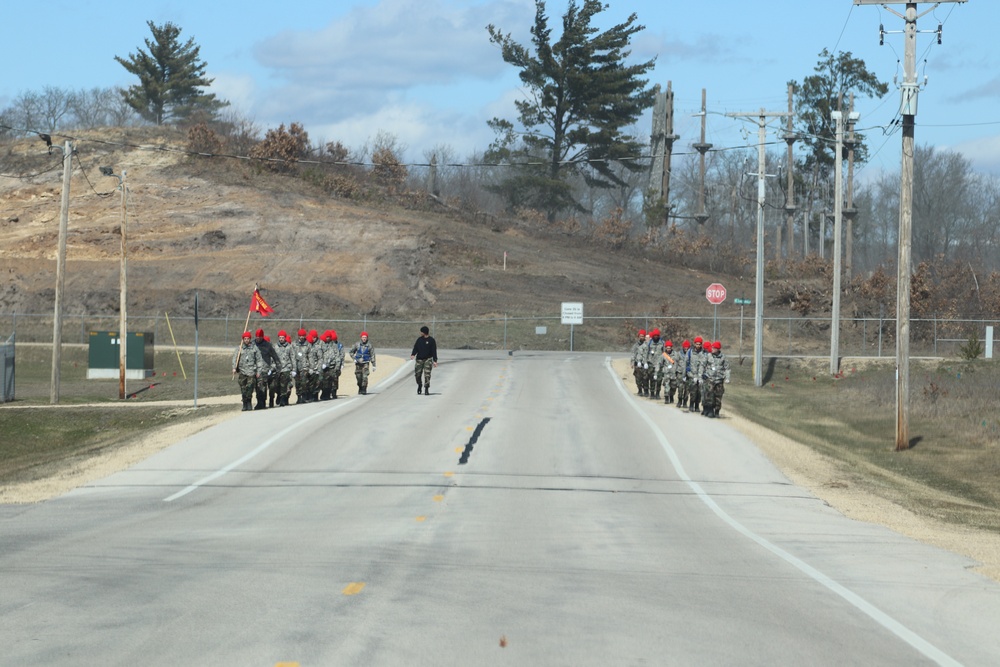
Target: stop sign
column 715, row 293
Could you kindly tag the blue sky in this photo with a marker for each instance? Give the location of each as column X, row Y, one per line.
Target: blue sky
column 424, row 70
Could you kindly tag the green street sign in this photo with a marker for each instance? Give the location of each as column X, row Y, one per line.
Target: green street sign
column 742, row 302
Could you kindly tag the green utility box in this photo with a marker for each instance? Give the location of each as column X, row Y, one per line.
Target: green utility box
column 103, row 359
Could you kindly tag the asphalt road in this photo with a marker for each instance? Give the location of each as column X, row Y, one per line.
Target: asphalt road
column 530, row 511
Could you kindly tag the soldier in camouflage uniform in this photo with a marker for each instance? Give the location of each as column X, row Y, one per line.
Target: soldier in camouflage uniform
column 315, row 361
column 340, row 363
column 667, row 371
column 302, row 355
column 249, row 364
column 698, row 355
column 683, row 374
column 636, row 363
column 331, row 358
column 654, row 355
column 363, row 354
column 270, row 367
column 286, row 364
column 716, row 372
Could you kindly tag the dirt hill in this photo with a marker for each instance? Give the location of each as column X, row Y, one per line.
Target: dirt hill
column 219, row 226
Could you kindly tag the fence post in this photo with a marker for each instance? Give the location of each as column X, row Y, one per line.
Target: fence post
column 989, row 342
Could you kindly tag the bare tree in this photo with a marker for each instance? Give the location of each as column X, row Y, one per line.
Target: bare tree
column 92, row 108
column 120, row 113
column 942, row 206
column 26, row 113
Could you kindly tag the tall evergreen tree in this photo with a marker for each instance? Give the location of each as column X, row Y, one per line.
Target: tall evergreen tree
column 171, row 78
column 582, row 95
column 836, row 76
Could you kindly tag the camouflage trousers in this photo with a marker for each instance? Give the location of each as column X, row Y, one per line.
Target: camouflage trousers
column 306, row 383
column 713, row 394
column 329, row 382
column 642, row 376
column 683, row 389
column 247, row 385
column 263, row 386
column 282, row 384
column 423, row 367
column 669, row 386
column 694, row 391
column 361, row 374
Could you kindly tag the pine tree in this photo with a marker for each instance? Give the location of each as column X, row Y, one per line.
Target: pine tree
column 581, row 96
column 171, row 79
column 836, row 77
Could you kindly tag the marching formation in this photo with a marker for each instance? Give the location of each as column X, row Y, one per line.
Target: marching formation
column 311, row 364
column 696, row 374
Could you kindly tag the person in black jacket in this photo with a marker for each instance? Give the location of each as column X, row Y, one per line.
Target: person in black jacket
column 425, row 354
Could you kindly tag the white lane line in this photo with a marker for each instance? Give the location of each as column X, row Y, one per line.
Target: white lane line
column 883, row 619
column 270, row 441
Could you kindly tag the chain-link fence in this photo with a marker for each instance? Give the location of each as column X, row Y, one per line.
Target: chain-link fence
column 783, row 336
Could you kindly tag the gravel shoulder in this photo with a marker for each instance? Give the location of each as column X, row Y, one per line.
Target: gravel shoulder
column 803, row 467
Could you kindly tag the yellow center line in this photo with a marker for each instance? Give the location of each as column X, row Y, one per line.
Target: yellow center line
column 449, row 474
column 438, row 498
column 286, row 664
column 421, row 518
column 354, row 588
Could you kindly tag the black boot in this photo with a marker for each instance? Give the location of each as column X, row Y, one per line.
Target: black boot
column 246, row 405
column 420, row 388
column 427, row 390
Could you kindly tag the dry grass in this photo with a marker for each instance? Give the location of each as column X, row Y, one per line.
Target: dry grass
column 950, row 470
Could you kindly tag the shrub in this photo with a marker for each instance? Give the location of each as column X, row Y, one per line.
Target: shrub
column 203, row 140
column 281, row 149
column 971, row 349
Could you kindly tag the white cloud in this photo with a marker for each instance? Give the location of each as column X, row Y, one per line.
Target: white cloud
column 984, row 153
column 239, row 89
column 422, row 71
column 395, row 44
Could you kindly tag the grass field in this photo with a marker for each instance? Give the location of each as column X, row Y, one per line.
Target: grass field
column 949, row 473
column 951, row 468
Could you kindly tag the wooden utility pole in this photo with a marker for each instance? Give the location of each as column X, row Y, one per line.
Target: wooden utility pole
column 758, row 346
column 790, row 194
column 908, row 109
column 701, row 216
column 122, row 285
column 60, row 274
column 838, row 210
column 663, row 145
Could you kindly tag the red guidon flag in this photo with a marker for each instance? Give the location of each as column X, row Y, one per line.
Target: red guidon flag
column 258, row 305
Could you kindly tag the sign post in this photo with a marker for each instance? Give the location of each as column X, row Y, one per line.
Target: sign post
column 716, row 294
column 741, row 302
column 572, row 313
